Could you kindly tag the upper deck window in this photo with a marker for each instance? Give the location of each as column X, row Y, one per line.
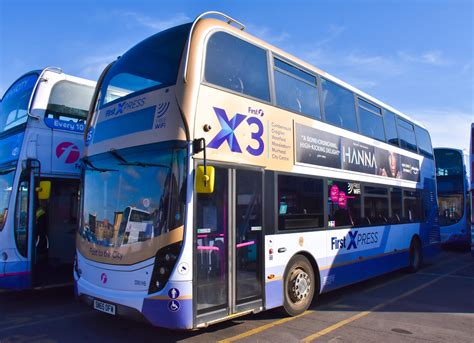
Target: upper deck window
column 237, row 65
column 14, row 105
column 407, row 135
column 339, row 105
column 153, row 62
column 448, row 162
column 371, row 123
column 69, row 101
column 296, row 89
column 390, row 124
column 424, row 142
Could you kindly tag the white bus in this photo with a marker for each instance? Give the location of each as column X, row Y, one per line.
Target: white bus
column 267, row 181
column 42, row 120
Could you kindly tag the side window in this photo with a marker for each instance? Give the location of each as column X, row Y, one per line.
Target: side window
column 424, row 142
column 21, row 218
column 237, row 65
column 296, row 90
column 407, row 135
column 371, row 123
column 375, row 206
column 344, row 203
column 339, row 106
column 69, row 101
column 300, row 203
column 396, row 205
column 390, row 127
column 412, row 206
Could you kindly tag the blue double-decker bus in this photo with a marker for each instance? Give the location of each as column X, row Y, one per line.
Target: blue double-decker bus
column 453, row 196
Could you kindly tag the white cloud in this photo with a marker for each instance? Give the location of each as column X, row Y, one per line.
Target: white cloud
column 466, row 69
column 334, row 31
column 266, row 34
column 92, row 66
column 434, row 58
column 361, row 83
column 155, row 23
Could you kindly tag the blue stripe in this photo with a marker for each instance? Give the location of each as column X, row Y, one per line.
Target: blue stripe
column 340, row 276
column 129, row 123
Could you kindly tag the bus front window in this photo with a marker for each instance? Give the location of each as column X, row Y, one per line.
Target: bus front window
column 6, row 182
column 14, row 105
column 153, row 63
column 133, row 195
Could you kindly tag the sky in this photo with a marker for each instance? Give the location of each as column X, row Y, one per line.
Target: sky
column 415, row 55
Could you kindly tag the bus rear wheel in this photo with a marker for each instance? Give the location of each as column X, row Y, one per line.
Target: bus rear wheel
column 299, row 286
column 416, row 256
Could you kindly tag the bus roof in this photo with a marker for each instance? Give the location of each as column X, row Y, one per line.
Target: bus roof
column 208, row 24
column 58, row 70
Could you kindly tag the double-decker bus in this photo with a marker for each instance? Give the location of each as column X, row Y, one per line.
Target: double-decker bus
column 266, row 181
column 42, row 120
column 453, row 196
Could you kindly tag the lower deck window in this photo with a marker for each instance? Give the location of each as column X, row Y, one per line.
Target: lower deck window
column 300, row 203
column 344, row 203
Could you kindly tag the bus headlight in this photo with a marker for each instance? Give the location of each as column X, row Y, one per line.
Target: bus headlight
column 165, row 262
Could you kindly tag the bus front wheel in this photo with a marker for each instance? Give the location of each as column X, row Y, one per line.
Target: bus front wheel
column 416, row 256
column 299, row 286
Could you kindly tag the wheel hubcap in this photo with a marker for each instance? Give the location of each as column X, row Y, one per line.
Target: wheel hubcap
column 300, row 286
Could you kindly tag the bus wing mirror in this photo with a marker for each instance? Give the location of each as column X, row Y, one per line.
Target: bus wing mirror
column 205, row 180
column 44, row 190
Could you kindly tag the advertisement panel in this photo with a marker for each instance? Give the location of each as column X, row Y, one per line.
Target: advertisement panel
column 321, row 148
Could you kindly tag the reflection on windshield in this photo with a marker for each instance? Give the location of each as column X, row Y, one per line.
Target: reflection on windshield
column 14, row 105
column 127, row 203
column 451, row 209
column 6, row 182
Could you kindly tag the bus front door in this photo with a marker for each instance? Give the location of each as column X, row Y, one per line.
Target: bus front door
column 229, row 246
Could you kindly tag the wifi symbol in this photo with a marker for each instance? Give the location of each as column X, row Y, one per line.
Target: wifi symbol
column 162, row 108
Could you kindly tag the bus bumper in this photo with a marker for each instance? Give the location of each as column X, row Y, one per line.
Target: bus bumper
column 167, row 309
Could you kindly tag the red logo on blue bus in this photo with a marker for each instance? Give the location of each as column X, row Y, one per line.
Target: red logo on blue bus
column 67, row 151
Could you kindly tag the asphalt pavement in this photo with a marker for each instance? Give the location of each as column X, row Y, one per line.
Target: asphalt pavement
column 436, row 304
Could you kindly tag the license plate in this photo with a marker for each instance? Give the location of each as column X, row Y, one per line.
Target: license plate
column 104, row 307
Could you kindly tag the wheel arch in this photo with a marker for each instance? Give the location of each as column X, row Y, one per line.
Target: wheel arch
column 314, row 265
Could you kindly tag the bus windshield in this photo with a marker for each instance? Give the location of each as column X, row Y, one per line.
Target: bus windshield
column 133, row 195
column 450, row 183
column 448, row 162
column 14, row 105
column 6, row 183
column 153, row 63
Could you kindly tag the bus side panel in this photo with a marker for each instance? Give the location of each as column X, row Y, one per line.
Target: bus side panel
column 430, row 233
column 15, row 275
column 348, row 274
column 274, row 287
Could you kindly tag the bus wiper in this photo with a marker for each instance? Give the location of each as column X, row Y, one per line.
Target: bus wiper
column 119, row 157
column 124, row 162
column 144, row 164
column 7, row 171
column 90, row 166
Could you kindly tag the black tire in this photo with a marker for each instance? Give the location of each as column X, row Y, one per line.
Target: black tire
column 299, row 286
column 416, row 256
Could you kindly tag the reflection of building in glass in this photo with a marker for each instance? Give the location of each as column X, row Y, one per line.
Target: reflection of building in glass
column 117, row 220
column 92, row 222
column 104, row 230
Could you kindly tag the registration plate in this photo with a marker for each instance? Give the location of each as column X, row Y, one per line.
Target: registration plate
column 104, row 307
